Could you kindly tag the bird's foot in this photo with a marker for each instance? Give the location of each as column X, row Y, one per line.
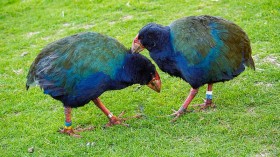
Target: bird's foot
column 205, row 105
column 73, row 132
column 119, row 120
column 69, row 131
column 177, row 114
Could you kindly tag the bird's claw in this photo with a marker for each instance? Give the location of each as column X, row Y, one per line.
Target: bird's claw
column 177, row 114
column 119, row 120
column 115, row 121
column 80, row 129
column 205, row 105
column 73, row 132
column 69, row 132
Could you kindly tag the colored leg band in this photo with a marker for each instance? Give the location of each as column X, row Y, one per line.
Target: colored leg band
column 110, row 115
column 68, row 127
column 208, row 94
column 181, row 109
column 68, row 124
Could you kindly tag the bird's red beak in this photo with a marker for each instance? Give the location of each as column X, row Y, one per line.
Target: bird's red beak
column 155, row 84
column 136, row 45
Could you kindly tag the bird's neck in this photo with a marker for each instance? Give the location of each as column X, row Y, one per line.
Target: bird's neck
column 126, row 74
column 165, row 48
column 165, row 55
column 163, row 43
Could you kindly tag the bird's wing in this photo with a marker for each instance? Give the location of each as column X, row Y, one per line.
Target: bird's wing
column 61, row 65
column 215, row 47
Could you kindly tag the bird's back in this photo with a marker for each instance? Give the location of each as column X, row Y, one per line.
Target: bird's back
column 213, row 49
column 77, row 62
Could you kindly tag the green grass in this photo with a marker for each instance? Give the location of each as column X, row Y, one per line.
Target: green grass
column 246, row 121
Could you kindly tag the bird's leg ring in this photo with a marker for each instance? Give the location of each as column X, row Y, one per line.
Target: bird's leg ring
column 68, row 123
column 208, row 102
column 113, row 120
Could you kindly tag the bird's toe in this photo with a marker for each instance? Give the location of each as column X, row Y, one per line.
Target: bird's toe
column 120, row 121
column 177, row 114
column 73, row 132
column 204, row 106
column 70, row 132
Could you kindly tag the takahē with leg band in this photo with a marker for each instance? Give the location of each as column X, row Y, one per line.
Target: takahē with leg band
column 79, row 68
column 199, row 49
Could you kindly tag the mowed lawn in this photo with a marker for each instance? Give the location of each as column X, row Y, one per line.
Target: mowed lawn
column 246, row 121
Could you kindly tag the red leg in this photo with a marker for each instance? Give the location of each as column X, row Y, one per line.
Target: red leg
column 184, row 107
column 208, row 102
column 68, row 123
column 113, row 119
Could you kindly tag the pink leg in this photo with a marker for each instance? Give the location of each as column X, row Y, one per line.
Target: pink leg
column 68, row 123
column 208, row 101
column 184, row 107
column 113, row 119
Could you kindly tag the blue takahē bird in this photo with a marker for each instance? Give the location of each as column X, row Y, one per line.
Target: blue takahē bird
column 199, row 49
column 79, row 68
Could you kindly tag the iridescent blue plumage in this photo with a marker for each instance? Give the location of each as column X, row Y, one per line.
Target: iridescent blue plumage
column 81, row 67
column 199, row 49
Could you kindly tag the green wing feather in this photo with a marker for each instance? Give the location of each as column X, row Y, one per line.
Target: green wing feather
column 75, row 57
column 213, row 41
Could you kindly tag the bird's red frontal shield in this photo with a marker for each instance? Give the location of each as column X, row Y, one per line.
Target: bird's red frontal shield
column 136, row 45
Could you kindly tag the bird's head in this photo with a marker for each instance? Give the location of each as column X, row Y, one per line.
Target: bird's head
column 142, row 71
column 152, row 37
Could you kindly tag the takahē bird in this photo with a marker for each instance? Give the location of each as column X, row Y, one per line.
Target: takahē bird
column 199, row 49
column 79, row 68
